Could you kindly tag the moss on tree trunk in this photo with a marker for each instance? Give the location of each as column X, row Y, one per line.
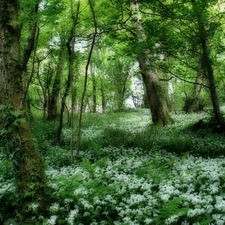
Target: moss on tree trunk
column 156, row 95
column 28, row 165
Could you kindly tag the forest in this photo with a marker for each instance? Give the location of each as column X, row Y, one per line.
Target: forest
column 112, row 112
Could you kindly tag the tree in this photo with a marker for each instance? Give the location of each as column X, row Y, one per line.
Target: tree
column 154, row 89
column 79, row 133
column 54, row 96
column 71, row 57
column 15, row 133
column 119, row 79
column 206, row 30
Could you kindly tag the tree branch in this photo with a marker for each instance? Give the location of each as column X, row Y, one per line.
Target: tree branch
column 86, row 78
column 30, row 41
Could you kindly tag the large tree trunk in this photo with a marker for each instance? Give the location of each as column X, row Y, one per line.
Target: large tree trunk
column 155, row 92
column 156, row 95
column 28, row 165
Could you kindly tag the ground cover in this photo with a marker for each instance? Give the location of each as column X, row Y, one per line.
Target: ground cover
column 129, row 173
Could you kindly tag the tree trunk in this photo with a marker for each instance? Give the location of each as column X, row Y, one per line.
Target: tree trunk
column 94, row 89
column 82, row 105
column 44, row 87
column 52, row 106
column 63, row 104
column 205, row 34
column 156, row 95
column 192, row 103
column 71, row 53
column 206, row 64
column 27, row 162
column 155, row 92
column 103, row 95
column 120, row 81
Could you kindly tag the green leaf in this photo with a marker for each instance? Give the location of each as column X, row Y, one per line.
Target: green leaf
column 21, row 120
column 172, row 207
column 29, row 193
column 206, row 221
column 5, row 132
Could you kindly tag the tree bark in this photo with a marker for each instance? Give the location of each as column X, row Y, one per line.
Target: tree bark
column 53, row 100
column 206, row 32
column 82, row 105
column 27, row 162
column 156, row 95
column 30, row 41
column 94, row 97
column 63, row 105
column 192, row 103
column 103, row 95
column 155, row 92
column 70, row 79
column 206, row 64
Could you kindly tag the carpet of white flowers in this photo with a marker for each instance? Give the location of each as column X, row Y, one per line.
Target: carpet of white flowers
column 137, row 188
column 132, row 186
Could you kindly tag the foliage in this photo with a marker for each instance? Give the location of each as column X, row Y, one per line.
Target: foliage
column 10, row 120
column 171, row 211
column 130, row 172
column 139, row 184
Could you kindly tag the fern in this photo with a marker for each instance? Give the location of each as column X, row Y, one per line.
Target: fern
column 88, row 167
column 171, row 208
column 207, row 220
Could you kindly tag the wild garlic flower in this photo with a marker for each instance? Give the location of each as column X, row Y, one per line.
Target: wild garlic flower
column 33, row 206
column 51, row 221
column 54, row 207
column 72, row 215
column 148, row 221
column 220, row 205
column 172, row 219
column 81, row 191
column 195, row 212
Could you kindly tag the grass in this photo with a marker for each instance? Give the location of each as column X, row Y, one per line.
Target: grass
column 130, row 173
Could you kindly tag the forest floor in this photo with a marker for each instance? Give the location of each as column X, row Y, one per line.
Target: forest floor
column 129, row 172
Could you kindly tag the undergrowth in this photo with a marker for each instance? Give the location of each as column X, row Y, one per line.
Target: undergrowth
column 130, row 173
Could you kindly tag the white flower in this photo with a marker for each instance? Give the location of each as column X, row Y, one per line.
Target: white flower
column 220, row 205
column 135, row 199
column 209, row 208
column 185, row 223
column 127, row 220
column 216, row 216
column 86, row 214
column 33, row 206
column 68, row 200
column 108, row 197
column 220, row 222
column 148, row 221
column 81, row 190
column 86, row 204
column 172, row 219
column 165, row 197
column 195, row 212
column 52, row 220
column 54, row 207
column 72, row 216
